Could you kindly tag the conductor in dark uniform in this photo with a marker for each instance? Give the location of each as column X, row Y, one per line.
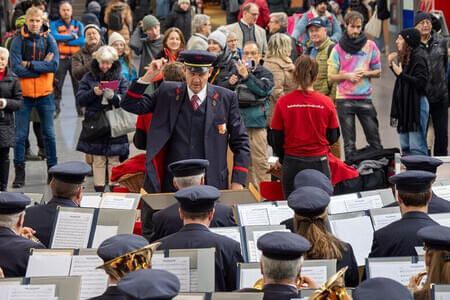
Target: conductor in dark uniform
column 310, row 205
column 67, row 191
column 314, row 178
column 400, row 237
column 111, row 248
column 197, row 211
column 191, row 119
column 14, row 249
column 426, row 163
column 187, row 173
column 281, row 265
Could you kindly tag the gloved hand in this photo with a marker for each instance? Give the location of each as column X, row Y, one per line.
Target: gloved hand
column 108, row 93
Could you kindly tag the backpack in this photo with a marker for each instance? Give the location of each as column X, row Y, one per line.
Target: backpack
column 115, row 21
column 7, row 39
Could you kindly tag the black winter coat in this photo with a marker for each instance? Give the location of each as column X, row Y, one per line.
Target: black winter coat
column 278, row 5
column 11, row 91
column 106, row 146
column 180, row 19
column 224, row 67
column 409, row 88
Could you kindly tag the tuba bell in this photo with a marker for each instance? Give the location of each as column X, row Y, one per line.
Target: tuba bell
column 333, row 289
column 129, row 262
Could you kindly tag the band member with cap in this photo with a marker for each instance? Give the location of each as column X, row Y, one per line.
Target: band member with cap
column 197, row 211
column 309, row 177
column 400, row 237
column 310, row 205
column 149, row 284
column 191, row 119
column 14, row 249
column 430, row 164
column 436, row 241
column 111, row 248
column 281, row 265
column 187, row 173
column 381, row 288
column 67, row 191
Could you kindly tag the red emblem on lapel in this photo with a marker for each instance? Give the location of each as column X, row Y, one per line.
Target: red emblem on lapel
column 222, row 128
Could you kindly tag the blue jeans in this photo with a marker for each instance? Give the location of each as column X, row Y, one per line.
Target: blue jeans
column 415, row 142
column 45, row 107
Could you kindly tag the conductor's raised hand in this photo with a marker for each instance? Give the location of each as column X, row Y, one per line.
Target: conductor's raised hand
column 153, row 69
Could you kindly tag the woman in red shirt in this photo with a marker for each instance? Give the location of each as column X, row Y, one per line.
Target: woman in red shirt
column 304, row 125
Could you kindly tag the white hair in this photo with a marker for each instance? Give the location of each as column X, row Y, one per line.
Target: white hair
column 106, row 53
column 187, row 181
column 10, row 221
column 280, row 270
column 4, row 51
column 183, row 1
column 198, row 21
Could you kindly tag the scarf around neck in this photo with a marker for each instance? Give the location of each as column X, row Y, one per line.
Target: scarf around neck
column 352, row 46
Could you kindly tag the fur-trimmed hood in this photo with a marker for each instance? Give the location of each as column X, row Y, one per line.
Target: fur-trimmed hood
column 113, row 74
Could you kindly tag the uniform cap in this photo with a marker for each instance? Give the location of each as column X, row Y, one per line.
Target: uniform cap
column 318, row 22
column 149, row 284
column 198, row 61
column 119, row 245
column 12, row 203
column 308, row 201
column 421, row 162
column 70, row 172
column 311, row 177
column 413, row 181
column 199, row 198
column 282, row 245
column 381, row 288
column 188, row 167
column 435, row 237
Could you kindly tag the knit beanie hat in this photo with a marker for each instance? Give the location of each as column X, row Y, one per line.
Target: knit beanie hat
column 89, row 26
column 219, row 37
column 149, row 21
column 114, row 37
column 420, row 16
column 94, row 7
column 411, row 37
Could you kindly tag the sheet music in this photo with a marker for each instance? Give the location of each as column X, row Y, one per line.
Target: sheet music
column 189, row 297
column 193, row 274
column 278, row 214
column 442, row 191
column 255, row 255
column 363, row 203
column 72, row 230
column 249, row 277
column 103, row 232
column 442, row 296
column 318, row 273
column 179, row 266
column 49, row 264
column 91, row 201
column 93, row 281
column 400, row 271
column 337, row 203
column 443, row 219
column 230, row 232
column 254, row 214
column 356, row 231
column 4, row 288
column 379, row 221
column 32, row 292
column 117, row 202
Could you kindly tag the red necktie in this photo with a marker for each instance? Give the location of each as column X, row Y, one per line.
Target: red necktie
column 194, row 102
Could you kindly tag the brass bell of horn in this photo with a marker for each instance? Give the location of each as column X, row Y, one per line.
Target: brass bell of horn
column 129, row 262
column 333, row 289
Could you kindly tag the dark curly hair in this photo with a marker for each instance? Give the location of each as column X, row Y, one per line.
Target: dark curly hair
column 405, row 54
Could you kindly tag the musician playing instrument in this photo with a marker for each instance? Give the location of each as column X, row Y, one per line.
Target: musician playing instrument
column 436, row 241
column 281, row 265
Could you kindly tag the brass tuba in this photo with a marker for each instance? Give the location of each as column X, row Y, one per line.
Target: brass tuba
column 333, row 289
column 129, row 262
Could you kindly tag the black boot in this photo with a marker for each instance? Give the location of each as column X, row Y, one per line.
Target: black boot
column 4, row 174
column 19, row 181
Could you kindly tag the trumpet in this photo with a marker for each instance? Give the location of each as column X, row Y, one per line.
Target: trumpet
column 420, row 277
column 333, row 289
column 129, row 262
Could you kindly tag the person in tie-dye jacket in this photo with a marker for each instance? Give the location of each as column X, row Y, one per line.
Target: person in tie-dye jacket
column 353, row 62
